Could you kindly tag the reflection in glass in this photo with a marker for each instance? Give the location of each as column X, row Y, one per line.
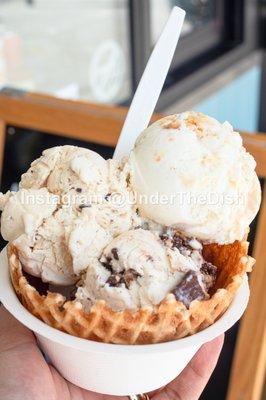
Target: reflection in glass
column 198, row 13
column 71, row 48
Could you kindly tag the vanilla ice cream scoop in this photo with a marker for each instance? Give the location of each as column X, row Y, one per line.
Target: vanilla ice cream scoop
column 62, row 246
column 192, row 172
column 86, row 240
column 68, row 168
column 45, row 252
column 133, row 271
column 46, row 258
column 139, row 268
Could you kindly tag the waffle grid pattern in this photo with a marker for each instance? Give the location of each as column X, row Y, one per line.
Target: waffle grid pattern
column 168, row 321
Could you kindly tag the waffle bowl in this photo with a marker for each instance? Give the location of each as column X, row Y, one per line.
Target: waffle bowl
column 168, row 321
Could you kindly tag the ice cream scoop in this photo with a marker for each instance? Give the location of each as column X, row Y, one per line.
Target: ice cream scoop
column 192, row 172
column 68, row 168
column 138, row 268
column 66, row 212
column 24, row 211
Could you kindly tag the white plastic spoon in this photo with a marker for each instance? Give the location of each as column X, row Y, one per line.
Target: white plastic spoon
column 151, row 83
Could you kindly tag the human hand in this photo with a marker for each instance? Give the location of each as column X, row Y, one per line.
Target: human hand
column 25, row 375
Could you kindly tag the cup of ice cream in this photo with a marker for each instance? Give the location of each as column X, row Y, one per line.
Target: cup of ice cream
column 123, row 269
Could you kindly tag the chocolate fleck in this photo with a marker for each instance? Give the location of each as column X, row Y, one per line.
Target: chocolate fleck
column 81, row 206
column 107, row 264
column 189, row 289
column 115, row 253
column 107, row 196
column 78, row 190
column 128, row 179
column 164, row 237
column 129, row 276
column 114, row 280
column 149, row 258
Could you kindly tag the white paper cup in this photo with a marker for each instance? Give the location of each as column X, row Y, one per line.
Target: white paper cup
column 116, row 369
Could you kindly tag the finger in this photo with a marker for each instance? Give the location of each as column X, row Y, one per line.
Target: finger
column 192, row 380
column 23, row 368
column 12, row 332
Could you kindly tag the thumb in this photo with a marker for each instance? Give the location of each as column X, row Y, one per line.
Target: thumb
column 192, row 380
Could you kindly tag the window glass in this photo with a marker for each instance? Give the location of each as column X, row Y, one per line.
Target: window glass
column 198, row 14
column 70, row 48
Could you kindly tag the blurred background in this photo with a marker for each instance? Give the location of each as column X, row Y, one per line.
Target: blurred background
column 96, row 50
column 68, row 67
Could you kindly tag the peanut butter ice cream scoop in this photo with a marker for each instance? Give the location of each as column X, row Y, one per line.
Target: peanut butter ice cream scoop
column 192, row 172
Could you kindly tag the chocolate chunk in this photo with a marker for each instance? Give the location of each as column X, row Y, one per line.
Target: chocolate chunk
column 209, row 274
column 129, row 276
column 189, row 289
column 181, row 243
column 176, row 241
column 124, row 276
column 115, row 253
column 208, row 269
column 78, row 190
column 114, row 280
